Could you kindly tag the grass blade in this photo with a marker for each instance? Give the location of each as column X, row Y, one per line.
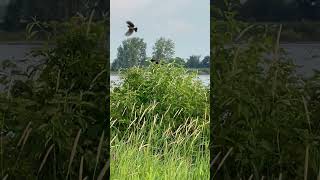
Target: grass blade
column 103, row 171
column 26, row 138
column 81, row 169
column 73, row 152
column 222, row 161
column 23, row 134
column 307, row 112
column 45, row 158
column 215, row 159
column 306, row 163
column 5, row 177
column 98, row 153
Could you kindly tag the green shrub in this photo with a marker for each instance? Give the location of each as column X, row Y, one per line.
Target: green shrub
column 65, row 96
column 262, row 112
column 159, row 116
column 171, row 88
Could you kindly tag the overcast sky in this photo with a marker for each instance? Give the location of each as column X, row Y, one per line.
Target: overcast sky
column 186, row 22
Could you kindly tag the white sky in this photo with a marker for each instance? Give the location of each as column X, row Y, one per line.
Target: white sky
column 186, row 22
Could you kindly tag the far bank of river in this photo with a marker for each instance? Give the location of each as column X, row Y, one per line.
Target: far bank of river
column 306, row 54
column 115, row 79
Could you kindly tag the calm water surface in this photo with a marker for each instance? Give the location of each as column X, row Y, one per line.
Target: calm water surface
column 115, row 79
column 306, row 55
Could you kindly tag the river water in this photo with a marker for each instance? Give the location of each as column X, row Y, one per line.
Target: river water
column 115, row 79
column 306, row 55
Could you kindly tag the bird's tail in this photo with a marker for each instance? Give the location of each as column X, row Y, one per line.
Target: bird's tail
column 135, row 29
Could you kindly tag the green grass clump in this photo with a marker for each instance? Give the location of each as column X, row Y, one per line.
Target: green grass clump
column 160, row 125
column 151, row 149
column 178, row 94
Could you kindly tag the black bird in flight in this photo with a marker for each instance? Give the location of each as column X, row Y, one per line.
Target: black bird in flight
column 131, row 29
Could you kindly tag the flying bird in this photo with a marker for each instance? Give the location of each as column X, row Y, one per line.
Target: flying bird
column 131, row 29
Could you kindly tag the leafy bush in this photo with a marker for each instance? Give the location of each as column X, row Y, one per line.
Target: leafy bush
column 63, row 98
column 171, row 88
column 159, row 116
column 264, row 119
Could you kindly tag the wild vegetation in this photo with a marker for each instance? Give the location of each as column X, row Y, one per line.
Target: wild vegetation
column 159, row 124
column 265, row 120
column 53, row 117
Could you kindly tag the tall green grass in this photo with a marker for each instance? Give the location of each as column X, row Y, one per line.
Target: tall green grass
column 261, row 108
column 55, row 116
column 153, row 151
column 160, row 125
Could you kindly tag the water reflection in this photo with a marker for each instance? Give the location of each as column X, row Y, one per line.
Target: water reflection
column 115, row 79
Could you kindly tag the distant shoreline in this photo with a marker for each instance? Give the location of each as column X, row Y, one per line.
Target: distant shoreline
column 39, row 42
column 294, row 43
column 201, row 71
column 22, row 42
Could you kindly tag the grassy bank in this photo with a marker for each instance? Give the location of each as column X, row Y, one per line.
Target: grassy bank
column 200, row 71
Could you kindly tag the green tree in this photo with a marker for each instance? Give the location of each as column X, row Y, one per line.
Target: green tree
column 177, row 60
column 132, row 52
column 193, row 61
column 278, row 10
column 205, row 62
column 163, row 49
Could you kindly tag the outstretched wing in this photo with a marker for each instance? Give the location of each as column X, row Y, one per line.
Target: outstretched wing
column 129, row 32
column 130, row 24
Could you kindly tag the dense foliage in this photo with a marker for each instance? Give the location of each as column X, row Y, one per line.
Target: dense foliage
column 54, row 118
column 131, row 52
column 170, row 87
column 159, row 124
column 265, row 120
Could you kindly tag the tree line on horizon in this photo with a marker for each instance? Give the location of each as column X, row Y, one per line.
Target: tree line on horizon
column 270, row 10
column 132, row 52
column 16, row 13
